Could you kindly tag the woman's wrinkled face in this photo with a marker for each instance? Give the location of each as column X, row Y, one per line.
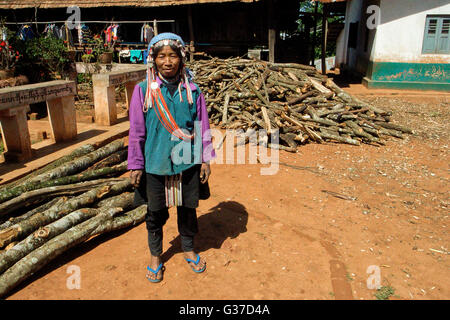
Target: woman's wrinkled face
column 168, row 62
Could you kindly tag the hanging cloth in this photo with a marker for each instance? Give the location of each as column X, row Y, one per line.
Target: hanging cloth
column 25, row 32
column 125, row 53
column 173, row 190
column 66, row 34
column 147, row 33
column 56, row 31
column 4, row 33
column 115, row 32
column 136, row 56
column 108, row 34
column 80, row 33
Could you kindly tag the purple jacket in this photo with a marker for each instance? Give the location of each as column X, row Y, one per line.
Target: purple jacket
column 137, row 133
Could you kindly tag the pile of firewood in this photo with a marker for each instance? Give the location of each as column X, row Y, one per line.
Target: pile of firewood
column 53, row 209
column 304, row 105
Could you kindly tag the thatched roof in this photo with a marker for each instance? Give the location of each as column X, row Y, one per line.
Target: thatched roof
column 47, row 4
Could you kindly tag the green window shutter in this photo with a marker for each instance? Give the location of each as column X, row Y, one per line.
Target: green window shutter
column 443, row 43
column 430, row 37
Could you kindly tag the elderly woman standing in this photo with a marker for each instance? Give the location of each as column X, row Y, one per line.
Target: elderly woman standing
column 169, row 148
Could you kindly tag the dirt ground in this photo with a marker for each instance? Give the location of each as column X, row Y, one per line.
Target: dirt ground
column 333, row 217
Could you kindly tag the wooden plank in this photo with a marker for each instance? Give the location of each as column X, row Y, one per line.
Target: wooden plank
column 33, row 93
column 324, row 40
column 131, row 76
column 272, row 36
column 225, row 109
column 116, row 78
column 62, row 117
column 318, row 86
column 105, row 105
column 16, row 136
column 266, row 120
column 191, row 34
column 104, row 92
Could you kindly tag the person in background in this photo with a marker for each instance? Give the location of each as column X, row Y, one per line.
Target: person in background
column 168, row 122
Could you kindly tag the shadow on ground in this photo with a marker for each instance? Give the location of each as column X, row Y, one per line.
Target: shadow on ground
column 226, row 220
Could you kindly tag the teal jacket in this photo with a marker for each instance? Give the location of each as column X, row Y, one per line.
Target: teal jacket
column 164, row 153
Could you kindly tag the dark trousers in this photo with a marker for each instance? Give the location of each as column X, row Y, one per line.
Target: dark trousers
column 187, row 228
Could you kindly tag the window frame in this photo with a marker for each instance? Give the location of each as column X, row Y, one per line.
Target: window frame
column 438, row 35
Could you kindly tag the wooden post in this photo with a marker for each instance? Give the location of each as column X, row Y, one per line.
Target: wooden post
column 16, row 137
column 105, row 92
column 155, row 27
column 191, row 34
column 14, row 106
column 324, row 39
column 62, row 117
column 105, row 104
column 272, row 31
column 315, row 33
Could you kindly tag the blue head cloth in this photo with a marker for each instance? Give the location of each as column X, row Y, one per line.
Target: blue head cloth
column 165, row 36
column 186, row 74
column 160, row 37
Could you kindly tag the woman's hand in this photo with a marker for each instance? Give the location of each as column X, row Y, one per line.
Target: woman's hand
column 135, row 177
column 205, row 172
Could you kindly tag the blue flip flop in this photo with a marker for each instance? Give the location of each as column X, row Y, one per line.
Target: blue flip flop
column 156, row 273
column 196, row 262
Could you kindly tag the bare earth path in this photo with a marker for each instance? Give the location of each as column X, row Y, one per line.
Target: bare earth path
column 309, row 232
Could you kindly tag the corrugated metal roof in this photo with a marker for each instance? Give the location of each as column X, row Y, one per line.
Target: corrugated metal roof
column 21, row 4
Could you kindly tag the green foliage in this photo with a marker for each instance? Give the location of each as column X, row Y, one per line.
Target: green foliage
column 96, row 48
column 9, row 55
column 49, row 51
column 384, row 293
column 309, row 7
column 43, row 58
column 87, row 57
column 84, row 78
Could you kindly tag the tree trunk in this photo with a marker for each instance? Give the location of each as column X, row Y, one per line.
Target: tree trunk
column 45, row 193
column 24, row 228
column 38, row 238
column 37, row 259
column 111, row 160
column 338, row 138
column 81, row 151
column 124, row 201
column 127, row 219
column 81, row 163
column 87, row 175
column 13, row 220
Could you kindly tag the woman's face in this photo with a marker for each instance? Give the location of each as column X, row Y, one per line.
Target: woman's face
column 168, row 62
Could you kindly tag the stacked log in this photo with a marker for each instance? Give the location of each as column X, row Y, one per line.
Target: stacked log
column 302, row 104
column 58, row 207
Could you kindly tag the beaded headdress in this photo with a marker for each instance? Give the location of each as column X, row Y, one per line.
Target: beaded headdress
column 166, row 39
column 153, row 95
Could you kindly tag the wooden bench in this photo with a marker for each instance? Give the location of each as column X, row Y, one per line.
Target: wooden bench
column 15, row 103
column 105, row 95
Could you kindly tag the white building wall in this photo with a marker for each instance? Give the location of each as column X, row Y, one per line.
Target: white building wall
column 353, row 14
column 341, row 48
column 399, row 36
